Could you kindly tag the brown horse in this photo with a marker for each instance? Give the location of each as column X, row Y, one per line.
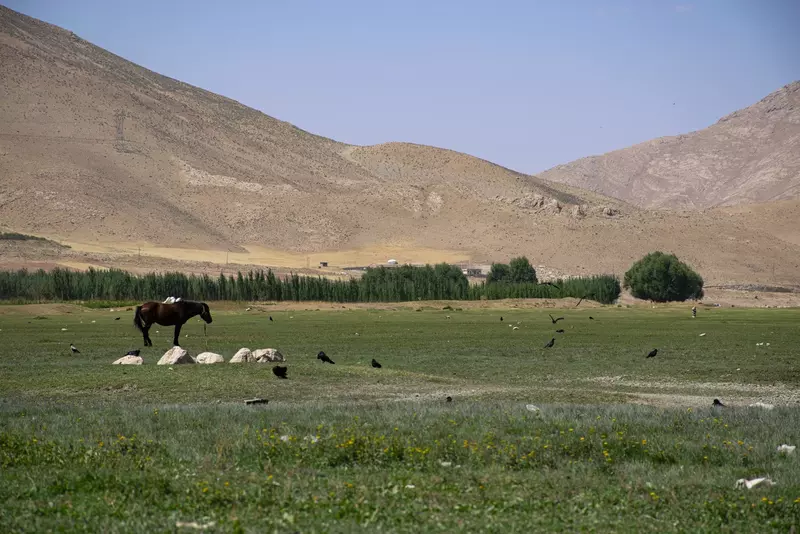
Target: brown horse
column 167, row 315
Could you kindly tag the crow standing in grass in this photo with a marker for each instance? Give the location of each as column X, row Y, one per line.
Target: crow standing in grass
column 74, row 350
column 375, row 364
column 591, row 318
column 501, row 318
column 270, row 318
column 560, row 331
column 117, row 318
column 552, row 342
column 449, row 398
column 280, row 371
column 717, row 403
column 555, row 320
column 324, row 357
column 652, row 353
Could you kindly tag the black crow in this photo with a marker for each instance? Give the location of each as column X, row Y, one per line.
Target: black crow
column 501, row 318
column 74, row 350
column 560, row 331
column 717, row 403
column 280, row 371
column 375, row 364
column 134, row 352
column 652, row 353
column 324, row 357
column 555, row 320
column 591, row 318
column 449, row 398
column 552, row 342
column 270, row 318
column 580, row 300
column 117, row 319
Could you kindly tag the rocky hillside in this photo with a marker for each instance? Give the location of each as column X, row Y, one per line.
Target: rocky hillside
column 752, row 155
column 110, row 157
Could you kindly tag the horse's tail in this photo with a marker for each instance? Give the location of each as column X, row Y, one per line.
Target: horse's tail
column 137, row 319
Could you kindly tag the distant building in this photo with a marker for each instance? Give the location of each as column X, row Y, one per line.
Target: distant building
column 473, row 272
column 392, row 262
column 323, row 264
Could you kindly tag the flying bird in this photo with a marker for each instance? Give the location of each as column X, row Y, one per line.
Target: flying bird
column 74, row 350
column 134, row 352
column 580, row 300
column 280, row 371
column 560, row 331
column 652, row 353
column 717, row 403
column 324, row 357
column 555, row 320
column 375, row 364
column 552, row 342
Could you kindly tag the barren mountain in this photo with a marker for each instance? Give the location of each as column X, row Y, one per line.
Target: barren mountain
column 752, row 155
column 108, row 157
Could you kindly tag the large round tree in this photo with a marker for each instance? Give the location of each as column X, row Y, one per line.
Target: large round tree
column 663, row 278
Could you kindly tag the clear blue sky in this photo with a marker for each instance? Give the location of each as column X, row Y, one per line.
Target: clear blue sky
column 527, row 84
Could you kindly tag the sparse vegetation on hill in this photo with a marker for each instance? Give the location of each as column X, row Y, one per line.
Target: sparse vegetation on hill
column 14, row 236
column 380, row 284
column 663, row 278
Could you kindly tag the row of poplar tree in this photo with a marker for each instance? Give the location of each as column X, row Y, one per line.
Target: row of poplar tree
column 380, row 284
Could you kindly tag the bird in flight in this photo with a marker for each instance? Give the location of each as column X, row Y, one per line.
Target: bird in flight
column 74, row 350
column 375, row 364
column 280, row 371
column 652, row 353
column 551, row 343
column 324, row 357
column 555, row 320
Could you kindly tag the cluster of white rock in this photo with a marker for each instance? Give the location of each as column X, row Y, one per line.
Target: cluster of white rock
column 178, row 355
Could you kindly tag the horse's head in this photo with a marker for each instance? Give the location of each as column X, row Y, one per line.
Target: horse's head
column 205, row 313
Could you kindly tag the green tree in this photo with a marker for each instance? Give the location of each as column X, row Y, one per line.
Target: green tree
column 521, row 271
column 663, row 278
column 500, row 272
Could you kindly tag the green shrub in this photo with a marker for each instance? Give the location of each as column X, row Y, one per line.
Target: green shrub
column 663, row 278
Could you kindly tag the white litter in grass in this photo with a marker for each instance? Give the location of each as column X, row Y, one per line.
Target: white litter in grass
column 786, row 449
column 63, row 329
column 94, row 322
column 445, row 464
column 531, row 407
column 410, row 486
column 285, row 438
column 759, row 344
column 703, row 334
column 752, row 483
column 194, row 524
column 515, row 328
column 762, row 405
column 768, row 344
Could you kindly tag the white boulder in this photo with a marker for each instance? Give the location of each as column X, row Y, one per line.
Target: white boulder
column 243, row 355
column 209, row 357
column 174, row 356
column 268, row 355
column 129, row 360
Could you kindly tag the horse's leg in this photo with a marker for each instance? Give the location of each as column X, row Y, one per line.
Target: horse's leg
column 177, row 335
column 146, row 335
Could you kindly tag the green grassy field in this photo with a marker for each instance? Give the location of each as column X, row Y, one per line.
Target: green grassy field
column 620, row 444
